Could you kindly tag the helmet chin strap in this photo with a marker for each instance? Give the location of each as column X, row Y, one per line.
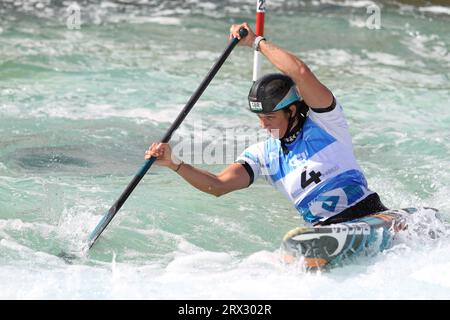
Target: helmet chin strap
column 293, row 130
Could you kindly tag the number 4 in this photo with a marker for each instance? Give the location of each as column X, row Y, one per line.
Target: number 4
column 314, row 177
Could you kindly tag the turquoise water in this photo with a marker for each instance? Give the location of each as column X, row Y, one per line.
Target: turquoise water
column 79, row 107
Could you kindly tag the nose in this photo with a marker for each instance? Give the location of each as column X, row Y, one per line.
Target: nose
column 264, row 123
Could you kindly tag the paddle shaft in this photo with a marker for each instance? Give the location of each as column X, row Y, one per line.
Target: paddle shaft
column 258, row 57
column 101, row 226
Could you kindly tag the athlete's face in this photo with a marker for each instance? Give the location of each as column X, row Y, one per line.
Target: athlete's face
column 276, row 123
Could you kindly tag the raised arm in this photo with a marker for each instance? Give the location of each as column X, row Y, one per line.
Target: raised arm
column 315, row 94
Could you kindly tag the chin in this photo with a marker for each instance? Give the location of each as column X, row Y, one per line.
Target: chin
column 275, row 133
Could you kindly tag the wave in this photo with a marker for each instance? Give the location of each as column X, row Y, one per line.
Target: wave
column 168, row 12
column 436, row 9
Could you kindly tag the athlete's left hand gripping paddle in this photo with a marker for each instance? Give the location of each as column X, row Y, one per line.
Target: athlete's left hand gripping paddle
column 106, row 219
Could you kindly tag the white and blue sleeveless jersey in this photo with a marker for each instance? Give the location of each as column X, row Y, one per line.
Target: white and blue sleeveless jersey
column 319, row 174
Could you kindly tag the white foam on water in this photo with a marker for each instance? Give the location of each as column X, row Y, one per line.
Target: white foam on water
column 428, row 46
column 3, row 167
column 75, row 225
column 436, row 9
column 159, row 20
column 335, row 57
column 104, row 111
column 409, row 270
column 358, row 22
column 19, row 225
column 351, row 3
column 385, row 58
column 434, row 274
column 198, row 262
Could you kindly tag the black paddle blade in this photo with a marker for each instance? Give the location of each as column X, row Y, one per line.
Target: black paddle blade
column 67, row 257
